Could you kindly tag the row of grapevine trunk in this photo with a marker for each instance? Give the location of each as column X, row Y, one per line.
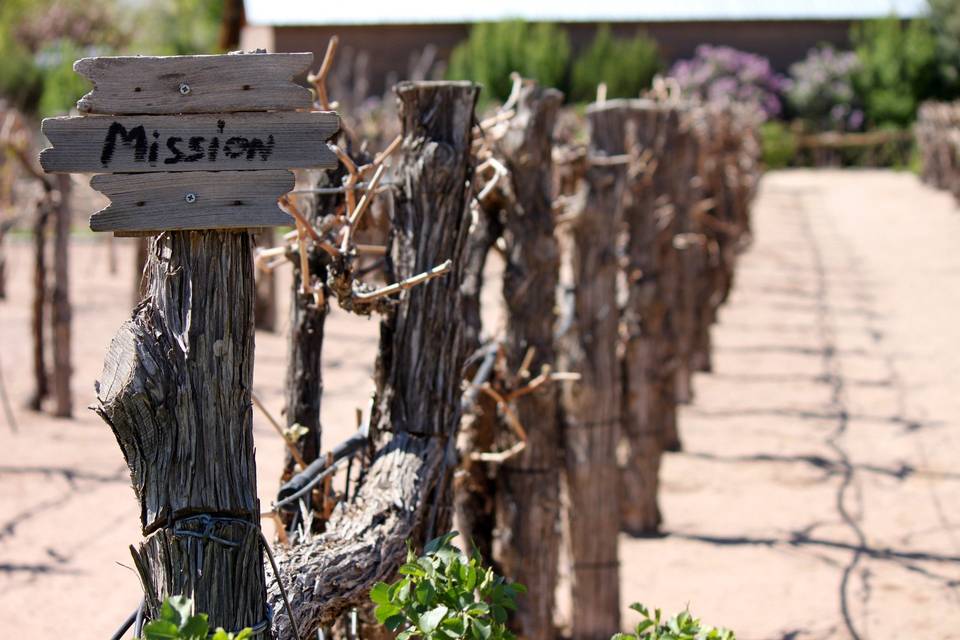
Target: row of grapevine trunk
column 617, row 232
column 937, row 134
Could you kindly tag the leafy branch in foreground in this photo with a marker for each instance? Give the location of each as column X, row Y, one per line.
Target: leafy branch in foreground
column 682, row 626
column 445, row 595
column 178, row 622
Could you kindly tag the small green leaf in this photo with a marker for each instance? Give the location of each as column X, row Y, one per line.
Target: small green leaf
column 244, row 635
column 221, row 634
column 384, row 611
column 195, row 627
column 380, row 593
column 393, row 623
column 432, row 618
column 160, row 630
column 411, row 569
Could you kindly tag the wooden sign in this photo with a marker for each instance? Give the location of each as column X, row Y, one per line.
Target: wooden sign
column 195, row 84
column 226, row 141
column 192, row 142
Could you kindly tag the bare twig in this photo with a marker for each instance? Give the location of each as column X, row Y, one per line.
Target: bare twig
column 276, row 425
column 319, row 81
column 409, row 283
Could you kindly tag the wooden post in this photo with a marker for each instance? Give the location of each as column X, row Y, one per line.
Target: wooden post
column 591, row 408
column 528, row 500
column 176, row 383
column 690, row 246
column 60, row 303
column 475, row 484
column 406, row 493
column 41, row 384
column 175, row 389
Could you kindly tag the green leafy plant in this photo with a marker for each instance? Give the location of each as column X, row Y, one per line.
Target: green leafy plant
column 178, row 622
column 627, row 66
column 495, row 49
column 682, row 626
column 446, row 595
column 778, row 144
column 898, row 69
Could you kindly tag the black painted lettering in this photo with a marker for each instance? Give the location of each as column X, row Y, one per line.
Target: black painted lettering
column 177, row 154
column 213, row 149
column 137, row 137
column 258, row 146
column 195, row 147
column 235, row 147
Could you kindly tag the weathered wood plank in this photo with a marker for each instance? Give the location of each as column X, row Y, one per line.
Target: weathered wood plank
column 220, row 200
column 194, row 84
column 102, row 144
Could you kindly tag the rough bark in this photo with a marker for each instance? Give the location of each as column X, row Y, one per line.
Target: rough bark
column 591, row 408
column 475, row 486
column 265, row 301
column 41, row 384
column 528, row 501
column 60, row 315
column 175, row 390
column 406, row 492
column 690, row 247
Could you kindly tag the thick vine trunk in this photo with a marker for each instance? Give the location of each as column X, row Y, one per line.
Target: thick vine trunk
column 475, row 486
column 690, row 247
column 41, row 384
column 175, row 389
column 528, row 501
column 406, row 493
column 60, row 315
column 591, row 407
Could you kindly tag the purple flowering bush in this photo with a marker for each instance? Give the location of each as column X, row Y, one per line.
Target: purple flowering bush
column 718, row 73
column 822, row 90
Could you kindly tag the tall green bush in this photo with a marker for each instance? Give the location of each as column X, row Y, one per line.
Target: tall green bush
column 626, row 65
column 944, row 18
column 898, row 69
column 495, row 49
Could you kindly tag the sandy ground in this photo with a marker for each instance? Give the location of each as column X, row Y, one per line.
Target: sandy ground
column 815, row 498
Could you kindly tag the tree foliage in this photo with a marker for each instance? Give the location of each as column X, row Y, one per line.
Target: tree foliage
column 495, row 49
column 898, row 69
column 627, row 66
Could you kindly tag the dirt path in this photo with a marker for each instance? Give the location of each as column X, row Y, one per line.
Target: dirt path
column 817, row 494
column 816, row 497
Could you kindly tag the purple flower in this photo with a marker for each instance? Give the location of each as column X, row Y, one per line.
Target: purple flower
column 718, row 73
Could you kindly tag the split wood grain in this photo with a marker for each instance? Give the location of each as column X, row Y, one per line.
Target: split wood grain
column 201, row 200
column 194, row 84
column 247, row 141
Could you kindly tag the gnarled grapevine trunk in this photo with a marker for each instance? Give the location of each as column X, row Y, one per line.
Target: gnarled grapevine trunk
column 60, row 314
column 406, row 492
column 175, row 389
column 475, row 487
column 41, row 385
column 527, row 498
column 591, row 407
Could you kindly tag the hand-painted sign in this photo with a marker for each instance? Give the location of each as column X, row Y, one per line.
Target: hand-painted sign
column 195, row 142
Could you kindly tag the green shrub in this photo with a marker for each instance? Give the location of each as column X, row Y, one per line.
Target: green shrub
column 778, row 144
column 495, row 49
column 682, row 626
column 898, row 69
column 627, row 66
column 178, row 622
column 445, row 595
column 944, row 18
